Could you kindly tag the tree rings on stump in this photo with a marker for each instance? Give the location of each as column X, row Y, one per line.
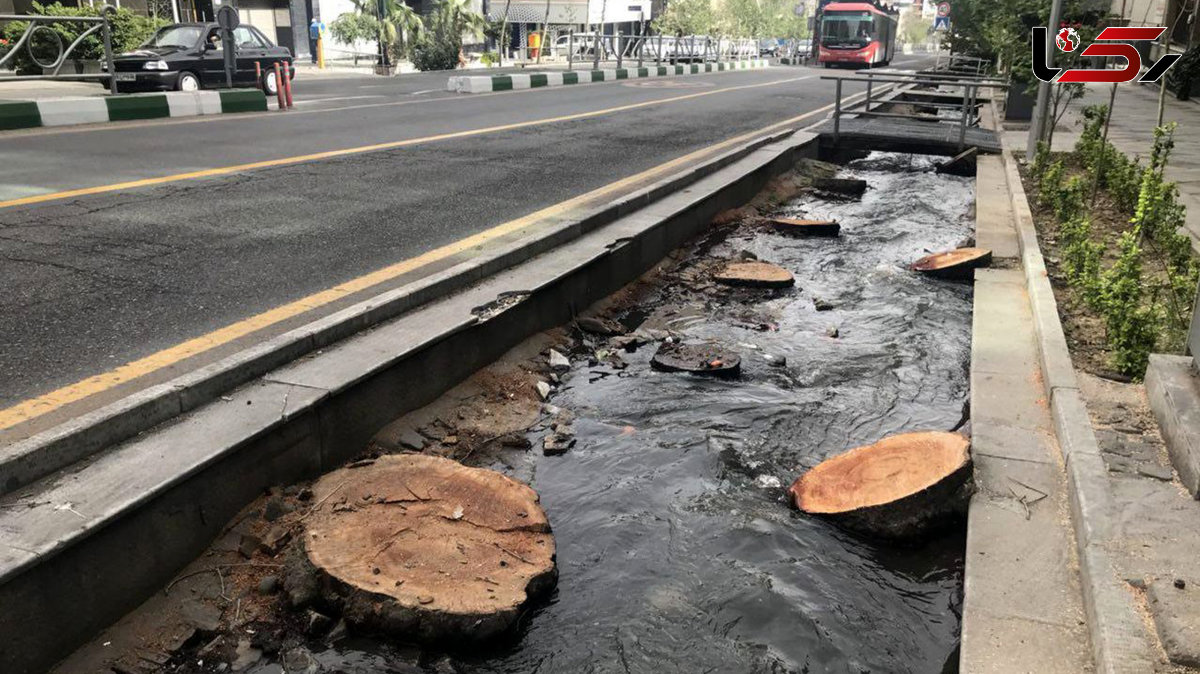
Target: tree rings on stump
column 707, row 359
column 755, row 275
column 424, row 548
column 959, row 263
column 806, row 227
column 850, row 187
column 898, row 487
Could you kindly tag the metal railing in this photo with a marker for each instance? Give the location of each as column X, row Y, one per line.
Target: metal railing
column 657, row 48
column 969, row 101
column 42, row 26
column 962, row 63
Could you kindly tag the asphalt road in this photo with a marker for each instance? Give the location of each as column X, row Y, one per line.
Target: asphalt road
column 95, row 281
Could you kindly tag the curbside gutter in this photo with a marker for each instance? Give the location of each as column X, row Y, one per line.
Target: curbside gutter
column 475, row 84
column 1118, row 632
column 93, row 109
column 141, row 511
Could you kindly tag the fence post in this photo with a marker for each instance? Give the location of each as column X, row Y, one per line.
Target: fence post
column 570, row 48
column 596, row 50
column 641, row 48
column 658, row 60
column 619, row 48
column 867, row 107
column 108, row 52
column 962, row 128
column 837, row 112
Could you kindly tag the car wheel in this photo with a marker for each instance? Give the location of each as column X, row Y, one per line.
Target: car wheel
column 269, row 84
column 187, row 82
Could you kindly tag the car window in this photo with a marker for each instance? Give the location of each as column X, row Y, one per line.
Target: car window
column 246, row 39
column 266, row 41
column 174, row 36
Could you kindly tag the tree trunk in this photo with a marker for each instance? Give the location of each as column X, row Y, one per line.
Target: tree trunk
column 899, row 487
column 423, row 548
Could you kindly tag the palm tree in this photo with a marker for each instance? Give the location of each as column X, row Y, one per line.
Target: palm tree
column 399, row 26
column 458, row 18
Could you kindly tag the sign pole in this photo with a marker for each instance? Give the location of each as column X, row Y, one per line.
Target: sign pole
column 1038, row 128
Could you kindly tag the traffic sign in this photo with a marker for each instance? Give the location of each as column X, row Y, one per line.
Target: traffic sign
column 227, row 17
column 943, row 9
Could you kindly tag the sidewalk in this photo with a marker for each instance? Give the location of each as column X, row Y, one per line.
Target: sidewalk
column 1134, row 523
column 1132, row 131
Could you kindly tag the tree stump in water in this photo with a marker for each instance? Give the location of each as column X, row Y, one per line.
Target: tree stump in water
column 706, row 359
column 806, row 227
column 426, row 549
column 850, row 187
column 755, row 275
column 898, row 487
column 959, row 263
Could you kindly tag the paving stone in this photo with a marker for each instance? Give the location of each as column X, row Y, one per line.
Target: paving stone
column 1176, row 614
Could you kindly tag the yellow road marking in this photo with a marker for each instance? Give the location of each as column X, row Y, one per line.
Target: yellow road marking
column 49, row 402
column 332, row 154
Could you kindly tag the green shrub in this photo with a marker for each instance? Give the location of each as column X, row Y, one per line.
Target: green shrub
column 1132, row 327
column 129, row 30
column 439, row 52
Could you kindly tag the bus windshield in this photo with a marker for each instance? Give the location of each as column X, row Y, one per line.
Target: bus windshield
column 850, row 29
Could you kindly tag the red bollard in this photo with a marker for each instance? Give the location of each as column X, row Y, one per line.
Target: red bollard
column 279, row 88
column 287, row 83
column 258, row 74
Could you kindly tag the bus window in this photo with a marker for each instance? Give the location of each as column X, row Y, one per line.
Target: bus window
column 847, row 29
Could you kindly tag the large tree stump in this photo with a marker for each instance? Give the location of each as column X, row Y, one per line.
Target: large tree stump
column 704, row 359
column 959, row 263
column 806, row 227
column 898, row 487
column 426, row 549
column 755, row 275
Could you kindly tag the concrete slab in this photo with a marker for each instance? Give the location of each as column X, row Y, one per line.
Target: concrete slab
column 993, row 210
column 1175, row 606
column 1173, row 389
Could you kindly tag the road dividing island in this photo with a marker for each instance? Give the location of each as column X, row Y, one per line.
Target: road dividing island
column 125, row 107
column 478, row 84
column 102, row 512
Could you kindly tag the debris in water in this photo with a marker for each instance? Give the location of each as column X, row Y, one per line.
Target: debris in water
column 822, row 305
column 558, row 361
column 832, row 332
column 806, row 227
column 767, row 482
column 959, row 263
column 755, row 275
column 600, row 326
column 898, row 487
column 543, row 390
column 707, row 359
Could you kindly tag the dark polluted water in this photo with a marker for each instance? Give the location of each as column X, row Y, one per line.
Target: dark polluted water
column 677, row 549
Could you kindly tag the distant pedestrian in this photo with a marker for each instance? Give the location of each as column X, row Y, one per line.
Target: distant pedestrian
column 314, row 35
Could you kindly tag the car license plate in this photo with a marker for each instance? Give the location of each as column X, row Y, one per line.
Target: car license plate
column 126, row 77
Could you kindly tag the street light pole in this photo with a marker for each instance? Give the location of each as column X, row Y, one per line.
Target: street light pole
column 1038, row 128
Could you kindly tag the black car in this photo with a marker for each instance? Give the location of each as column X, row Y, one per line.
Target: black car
column 190, row 56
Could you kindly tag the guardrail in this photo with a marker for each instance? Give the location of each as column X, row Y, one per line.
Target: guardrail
column 962, row 62
column 41, row 25
column 658, row 48
column 970, row 98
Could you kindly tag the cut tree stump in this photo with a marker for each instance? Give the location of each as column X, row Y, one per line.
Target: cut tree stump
column 959, row 263
column 707, row 359
column 755, row 275
column 806, row 227
column 424, row 548
column 898, row 487
column 850, row 187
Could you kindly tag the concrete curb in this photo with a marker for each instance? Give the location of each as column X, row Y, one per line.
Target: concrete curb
column 1118, row 633
column 143, row 510
column 474, row 84
column 28, row 460
column 93, row 109
column 1172, row 392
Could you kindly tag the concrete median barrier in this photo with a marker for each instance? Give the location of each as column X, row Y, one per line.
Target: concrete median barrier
column 476, row 84
column 95, row 109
